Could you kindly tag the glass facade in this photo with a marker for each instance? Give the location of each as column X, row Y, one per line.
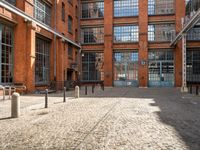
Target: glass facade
column 92, row 9
column 161, row 68
column 160, row 7
column 42, row 12
column 123, row 8
column 126, row 33
column 194, row 34
column 126, row 68
column 6, row 55
column 92, row 35
column 161, row 32
column 193, row 65
column 42, row 62
column 92, row 66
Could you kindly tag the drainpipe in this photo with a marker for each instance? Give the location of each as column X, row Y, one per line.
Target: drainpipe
column 55, row 17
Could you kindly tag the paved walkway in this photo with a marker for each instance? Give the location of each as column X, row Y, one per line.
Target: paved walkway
column 118, row 118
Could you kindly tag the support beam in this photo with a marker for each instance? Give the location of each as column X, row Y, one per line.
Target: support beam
column 19, row 12
column 193, row 21
column 184, row 82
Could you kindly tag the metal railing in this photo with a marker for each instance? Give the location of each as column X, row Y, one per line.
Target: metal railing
column 194, row 34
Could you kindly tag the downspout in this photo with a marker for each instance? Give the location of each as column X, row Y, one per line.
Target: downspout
column 55, row 17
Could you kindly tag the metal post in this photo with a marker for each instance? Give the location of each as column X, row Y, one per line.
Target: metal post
column 190, row 89
column 85, row 90
column 184, row 82
column 46, row 98
column 9, row 92
column 197, row 90
column 64, row 97
column 92, row 88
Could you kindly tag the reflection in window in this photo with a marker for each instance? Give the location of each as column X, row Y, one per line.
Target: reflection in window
column 161, row 32
column 42, row 62
column 159, row 7
column 42, row 12
column 125, row 8
column 92, row 35
column 92, row 66
column 93, row 10
column 13, row 2
column 126, row 34
column 125, row 68
column 193, row 65
column 6, row 44
column 70, row 24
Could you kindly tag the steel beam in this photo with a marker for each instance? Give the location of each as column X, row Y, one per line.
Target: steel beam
column 21, row 13
column 193, row 21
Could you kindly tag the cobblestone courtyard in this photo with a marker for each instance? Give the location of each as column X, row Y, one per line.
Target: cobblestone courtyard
column 118, row 118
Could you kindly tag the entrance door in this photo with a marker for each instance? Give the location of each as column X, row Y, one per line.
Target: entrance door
column 126, row 69
column 161, row 74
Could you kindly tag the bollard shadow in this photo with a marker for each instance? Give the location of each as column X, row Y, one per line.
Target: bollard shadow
column 6, row 118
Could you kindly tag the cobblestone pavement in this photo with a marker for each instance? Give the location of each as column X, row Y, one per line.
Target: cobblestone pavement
column 118, row 118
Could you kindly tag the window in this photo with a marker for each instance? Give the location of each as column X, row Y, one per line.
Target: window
column 126, row 68
column 92, row 35
column 42, row 62
column 93, row 9
column 194, row 34
column 63, row 12
column 161, row 32
column 13, row 2
column 125, row 8
column 193, row 65
column 159, row 7
column 42, row 12
column 70, row 24
column 92, row 66
column 126, row 33
column 70, row 51
column 6, row 48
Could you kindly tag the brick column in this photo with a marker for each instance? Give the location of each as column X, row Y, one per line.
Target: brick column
column 30, row 56
column 20, row 47
column 143, row 43
column 108, row 43
column 180, row 13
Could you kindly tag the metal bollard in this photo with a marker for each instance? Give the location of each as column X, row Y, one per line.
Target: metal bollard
column 64, row 96
column 191, row 89
column 85, row 90
column 77, row 92
column 15, row 105
column 46, row 98
column 93, row 89
column 197, row 90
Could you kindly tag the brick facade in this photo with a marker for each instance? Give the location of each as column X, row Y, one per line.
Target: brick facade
column 25, row 34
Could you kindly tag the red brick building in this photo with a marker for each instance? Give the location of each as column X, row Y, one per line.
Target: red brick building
column 34, row 55
column 123, row 42
column 133, row 38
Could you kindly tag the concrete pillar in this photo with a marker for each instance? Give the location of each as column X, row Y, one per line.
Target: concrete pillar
column 15, row 105
column 77, row 92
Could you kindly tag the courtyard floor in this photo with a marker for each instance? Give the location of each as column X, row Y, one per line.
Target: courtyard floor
column 117, row 118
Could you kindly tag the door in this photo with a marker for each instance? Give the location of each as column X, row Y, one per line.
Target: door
column 126, row 69
column 161, row 74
